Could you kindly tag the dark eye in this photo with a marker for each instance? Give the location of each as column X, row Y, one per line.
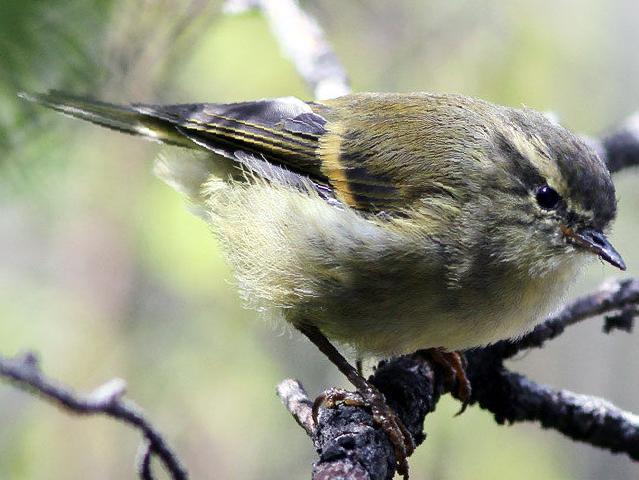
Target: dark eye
column 547, row 197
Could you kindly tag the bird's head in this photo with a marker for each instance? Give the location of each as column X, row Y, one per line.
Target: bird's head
column 551, row 196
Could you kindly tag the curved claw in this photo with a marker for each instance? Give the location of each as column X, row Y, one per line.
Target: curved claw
column 383, row 416
column 454, row 366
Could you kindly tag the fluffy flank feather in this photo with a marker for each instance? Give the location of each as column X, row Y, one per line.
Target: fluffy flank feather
column 286, row 246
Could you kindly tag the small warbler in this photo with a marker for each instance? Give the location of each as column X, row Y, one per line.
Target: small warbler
column 390, row 222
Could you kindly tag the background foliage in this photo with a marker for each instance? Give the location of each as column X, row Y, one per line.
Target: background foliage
column 105, row 273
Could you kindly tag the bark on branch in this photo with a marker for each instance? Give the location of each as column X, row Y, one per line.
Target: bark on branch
column 351, row 446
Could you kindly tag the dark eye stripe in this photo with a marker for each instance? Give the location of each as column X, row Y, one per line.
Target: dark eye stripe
column 519, row 166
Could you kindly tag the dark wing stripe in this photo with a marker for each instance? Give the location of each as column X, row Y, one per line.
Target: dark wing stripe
column 363, row 187
column 281, row 175
column 218, row 126
column 244, row 136
column 265, row 132
column 263, row 168
column 272, row 134
column 384, row 192
column 376, row 202
column 362, row 176
column 243, row 139
column 309, row 125
column 280, row 133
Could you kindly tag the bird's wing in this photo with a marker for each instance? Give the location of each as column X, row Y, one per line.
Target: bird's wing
column 290, row 134
column 284, row 131
column 282, row 138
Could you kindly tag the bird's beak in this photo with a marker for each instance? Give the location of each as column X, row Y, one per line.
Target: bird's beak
column 596, row 242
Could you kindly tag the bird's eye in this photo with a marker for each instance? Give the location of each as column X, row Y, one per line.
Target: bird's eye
column 547, row 197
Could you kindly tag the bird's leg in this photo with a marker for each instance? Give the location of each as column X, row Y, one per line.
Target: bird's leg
column 369, row 397
column 454, row 366
column 359, row 365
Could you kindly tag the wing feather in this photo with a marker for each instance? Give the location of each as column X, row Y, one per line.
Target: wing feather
column 282, row 139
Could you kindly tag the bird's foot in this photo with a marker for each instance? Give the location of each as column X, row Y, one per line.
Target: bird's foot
column 383, row 416
column 453, row 365
column 367, row 396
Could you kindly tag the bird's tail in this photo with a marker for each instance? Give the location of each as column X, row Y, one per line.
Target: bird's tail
column 116, row 117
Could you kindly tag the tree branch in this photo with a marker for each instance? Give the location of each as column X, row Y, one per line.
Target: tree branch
column 612, row 296
column 296, row 401
column 512, row 397
column 108, row 400
column 145, row 455
column 351, row 444
column 303, row 42
column 620, row 148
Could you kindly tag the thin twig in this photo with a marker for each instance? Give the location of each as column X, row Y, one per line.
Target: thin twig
column 512, row 397
column 620, row 147
column 145, row 455
column 615, row 295
column 108, row 400
column 304, row 43
column 296, row 401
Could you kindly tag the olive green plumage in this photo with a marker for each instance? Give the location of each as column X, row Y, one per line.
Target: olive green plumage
column 390, row 221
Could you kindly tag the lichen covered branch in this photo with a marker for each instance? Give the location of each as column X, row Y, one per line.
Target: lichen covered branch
column 512, row 397
column 350, row 444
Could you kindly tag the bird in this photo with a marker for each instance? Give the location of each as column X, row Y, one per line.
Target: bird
column 390, row 222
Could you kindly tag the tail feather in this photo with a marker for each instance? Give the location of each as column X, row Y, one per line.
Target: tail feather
column 116, row 117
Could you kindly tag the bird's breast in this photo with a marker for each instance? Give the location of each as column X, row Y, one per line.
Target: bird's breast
column 399, row 314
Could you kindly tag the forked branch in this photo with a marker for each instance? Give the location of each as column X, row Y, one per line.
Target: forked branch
column 24, row 372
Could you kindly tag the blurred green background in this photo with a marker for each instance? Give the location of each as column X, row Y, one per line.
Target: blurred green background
column 105, row 273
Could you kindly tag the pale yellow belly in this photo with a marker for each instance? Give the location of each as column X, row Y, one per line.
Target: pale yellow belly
column 404, row 320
